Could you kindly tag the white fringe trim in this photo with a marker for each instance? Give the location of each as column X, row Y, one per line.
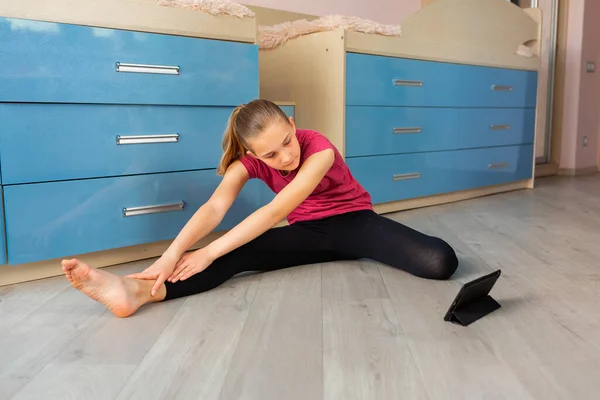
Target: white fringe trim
column 213, row 7
column 526, row 51
column 270, row 37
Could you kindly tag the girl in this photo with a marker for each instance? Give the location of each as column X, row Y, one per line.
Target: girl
column 330, row 218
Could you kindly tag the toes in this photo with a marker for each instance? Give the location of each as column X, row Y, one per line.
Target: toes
column 69, row 264
column 68, row 275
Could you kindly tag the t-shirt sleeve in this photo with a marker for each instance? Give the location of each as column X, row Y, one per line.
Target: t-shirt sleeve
column 251, row 165
column 316, row 142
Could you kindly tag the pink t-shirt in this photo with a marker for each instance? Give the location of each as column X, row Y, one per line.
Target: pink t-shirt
column 337, row 193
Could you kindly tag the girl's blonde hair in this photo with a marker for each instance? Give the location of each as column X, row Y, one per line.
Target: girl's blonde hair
column 246, row 121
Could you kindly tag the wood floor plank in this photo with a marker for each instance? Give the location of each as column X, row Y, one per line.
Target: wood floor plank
column 570, row 198
column 558, row 238
column 101, row 359
column 94, row 382
column 35, row 341
column 279, row 355
column 18, row 301
column 352, row 281
column 9, row 385
column 194, row 352
column 365, row 353
column 40, row 320
column 587, row 185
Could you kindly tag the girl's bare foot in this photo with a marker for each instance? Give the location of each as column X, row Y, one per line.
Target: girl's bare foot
column 122, row 296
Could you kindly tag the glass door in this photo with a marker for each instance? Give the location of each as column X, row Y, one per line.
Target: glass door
column 549, row 9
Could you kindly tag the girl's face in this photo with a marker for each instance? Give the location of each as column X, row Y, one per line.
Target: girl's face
column 277, row 146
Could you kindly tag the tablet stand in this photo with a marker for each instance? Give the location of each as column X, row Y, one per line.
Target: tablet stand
column 473, row 301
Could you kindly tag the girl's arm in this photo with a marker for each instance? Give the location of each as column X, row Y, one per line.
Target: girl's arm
column 210, row 215
column 308, row 178
column 202, row 222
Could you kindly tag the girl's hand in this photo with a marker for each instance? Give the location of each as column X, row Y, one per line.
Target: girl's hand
column 160, row 270
column 190, row 264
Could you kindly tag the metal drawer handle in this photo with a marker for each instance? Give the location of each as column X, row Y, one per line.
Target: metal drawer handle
column 415, row 129
column 144, row 139
column 148, row 69
column 133, row 211
column 502, row 88
column 498, row 166
column 403, row 82
column 500, row 127
column 403, row 177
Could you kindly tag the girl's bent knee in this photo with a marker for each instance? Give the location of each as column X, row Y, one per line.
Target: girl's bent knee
column 444, row 261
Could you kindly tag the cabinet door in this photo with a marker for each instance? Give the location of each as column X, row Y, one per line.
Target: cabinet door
column 407, row 176
column 63, row 63
column 288, row 110
column 2, row 230
column 78, row 141
column 391, row 81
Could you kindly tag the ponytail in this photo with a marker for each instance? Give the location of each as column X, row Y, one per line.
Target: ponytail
column 232, row 146
column 246, row 121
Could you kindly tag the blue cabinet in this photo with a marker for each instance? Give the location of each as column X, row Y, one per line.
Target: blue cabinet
column 416, row 128
column 111, row 138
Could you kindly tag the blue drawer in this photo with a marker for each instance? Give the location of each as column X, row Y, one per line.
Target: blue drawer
column 399, row 177
column 50, row 62
column 395, row 130
column 63, row 142
column 288, row 110
column 388, row 81
column 59, row 219
column 2, row 231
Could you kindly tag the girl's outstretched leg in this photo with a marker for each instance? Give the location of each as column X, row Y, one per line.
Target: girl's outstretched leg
column 366, row 234
column 277, row 248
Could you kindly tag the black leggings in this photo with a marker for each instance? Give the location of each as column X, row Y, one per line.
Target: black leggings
column 351, row 236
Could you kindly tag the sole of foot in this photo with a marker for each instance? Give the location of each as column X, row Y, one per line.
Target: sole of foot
column 112, row 291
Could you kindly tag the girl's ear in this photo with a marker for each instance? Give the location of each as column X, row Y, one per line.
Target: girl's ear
column 291, row 119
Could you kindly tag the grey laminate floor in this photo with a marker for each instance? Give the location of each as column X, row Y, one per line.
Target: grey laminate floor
column 352, row 330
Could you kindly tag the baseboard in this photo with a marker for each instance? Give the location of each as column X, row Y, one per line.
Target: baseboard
column 385, row 208
column 577, row 171
column 544, row 170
